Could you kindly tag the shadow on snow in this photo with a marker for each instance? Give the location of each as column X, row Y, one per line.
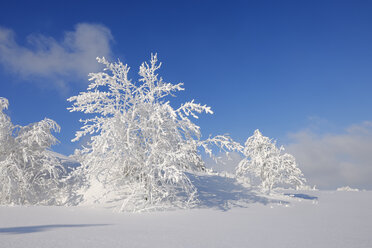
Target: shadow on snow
column 302, row 196
column 223, row 193
column 41, row 228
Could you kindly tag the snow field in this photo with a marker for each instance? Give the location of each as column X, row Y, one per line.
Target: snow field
column 334, row 219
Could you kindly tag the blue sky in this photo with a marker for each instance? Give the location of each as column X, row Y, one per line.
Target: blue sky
column 288, row 68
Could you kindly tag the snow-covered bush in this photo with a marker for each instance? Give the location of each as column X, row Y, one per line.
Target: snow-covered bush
column 267, row 163
column 140, row 146
column 347, row 188
column 29, row 174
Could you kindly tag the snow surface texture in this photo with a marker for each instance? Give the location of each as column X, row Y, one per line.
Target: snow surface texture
column 302, row 219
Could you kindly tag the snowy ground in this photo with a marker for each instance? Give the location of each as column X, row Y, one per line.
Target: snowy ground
column 323, row 219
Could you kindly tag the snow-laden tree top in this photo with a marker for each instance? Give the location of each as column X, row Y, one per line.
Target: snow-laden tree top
column 115, row 94
column 4, row 103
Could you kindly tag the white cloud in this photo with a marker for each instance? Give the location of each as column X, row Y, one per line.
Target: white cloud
column 57, row 61
column 333, row 160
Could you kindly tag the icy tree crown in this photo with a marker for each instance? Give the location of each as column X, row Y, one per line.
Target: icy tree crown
column 4, row 103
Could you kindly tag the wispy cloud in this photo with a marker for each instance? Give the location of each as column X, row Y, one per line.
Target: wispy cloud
column 332, row 160
column 59, row 62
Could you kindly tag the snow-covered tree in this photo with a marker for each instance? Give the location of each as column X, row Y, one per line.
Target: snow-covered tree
column 6, row 128
column 290, row 174
column 267, row 163
column 29, row 174
column 140, row 146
